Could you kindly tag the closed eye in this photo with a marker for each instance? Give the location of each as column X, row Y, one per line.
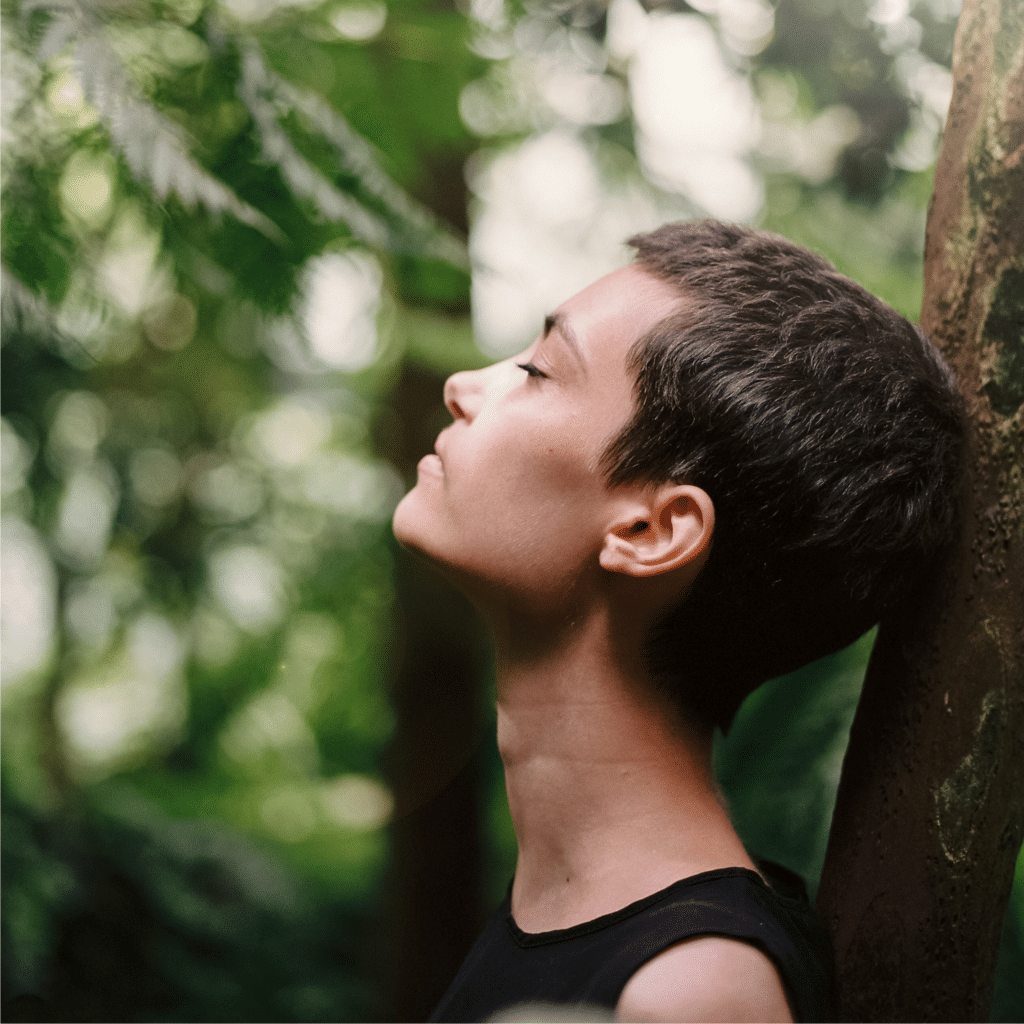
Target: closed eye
column 531, row 370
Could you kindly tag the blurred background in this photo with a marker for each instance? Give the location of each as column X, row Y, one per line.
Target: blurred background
column 248, row 763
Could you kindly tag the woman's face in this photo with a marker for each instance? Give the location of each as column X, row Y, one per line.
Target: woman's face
column 514, row 499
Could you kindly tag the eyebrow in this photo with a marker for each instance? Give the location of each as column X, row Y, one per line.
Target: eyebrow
column 560, row 322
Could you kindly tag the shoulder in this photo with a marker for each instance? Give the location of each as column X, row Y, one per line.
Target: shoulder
column 707, row 978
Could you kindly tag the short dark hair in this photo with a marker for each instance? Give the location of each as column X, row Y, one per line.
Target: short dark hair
column 827, row 430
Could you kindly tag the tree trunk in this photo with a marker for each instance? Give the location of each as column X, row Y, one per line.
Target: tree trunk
column 434, row 888
column 930, row 811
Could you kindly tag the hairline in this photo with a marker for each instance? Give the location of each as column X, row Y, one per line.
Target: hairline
column 635, row 359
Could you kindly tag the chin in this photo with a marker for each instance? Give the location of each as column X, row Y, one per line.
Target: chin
column 412, row 524
column 405, row 520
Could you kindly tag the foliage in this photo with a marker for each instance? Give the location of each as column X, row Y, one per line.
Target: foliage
column 194, row 502
column 129, row 915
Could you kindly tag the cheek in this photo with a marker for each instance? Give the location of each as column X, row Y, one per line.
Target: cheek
column 543, row 506
column 520, row 514
column 544, row 485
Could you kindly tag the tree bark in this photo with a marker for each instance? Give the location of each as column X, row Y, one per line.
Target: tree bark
column 930, row 811
column 435, row 908
column 436, row 836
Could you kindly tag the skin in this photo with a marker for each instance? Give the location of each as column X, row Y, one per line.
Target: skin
column 612, row 794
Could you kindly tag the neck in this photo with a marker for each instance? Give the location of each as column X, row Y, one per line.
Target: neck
column 612, row 795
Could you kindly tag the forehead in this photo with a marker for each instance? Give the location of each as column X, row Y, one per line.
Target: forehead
column 610, row 315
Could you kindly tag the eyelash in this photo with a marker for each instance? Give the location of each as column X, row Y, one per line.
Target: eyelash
column 531, row 370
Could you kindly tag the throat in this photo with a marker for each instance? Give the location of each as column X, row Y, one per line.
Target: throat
column 612, row 797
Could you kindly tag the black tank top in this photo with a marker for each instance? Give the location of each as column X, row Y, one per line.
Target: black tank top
column 589, row 964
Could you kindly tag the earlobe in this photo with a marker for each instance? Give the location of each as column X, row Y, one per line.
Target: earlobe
column 659, row 530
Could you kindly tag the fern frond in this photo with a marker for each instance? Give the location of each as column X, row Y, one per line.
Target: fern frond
column 256, row 91
column 57, row 34
column 27, row 313
column 267, row 95
column 21, row 308
column 154, row 147
column 357, row 156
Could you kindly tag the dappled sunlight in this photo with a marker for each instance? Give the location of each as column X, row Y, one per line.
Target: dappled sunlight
column 97, row 605
column 87, row 324
column 931, row 86
column 547, row 227
column 554, row 209
column 696, row 119
column 250, row 584
column 358, row 802
column 27, row 602
column 747, row 26
column 91, row 613
column 359, row 21
column 112, row 716
column 170, row 322
column 87, row 188
column 17, row 454
column 808, row 148
column 293, row 812
column 353, row 487
column 80, row 424
column 257, row 10
column 156, row 475
column 85, row 515
column 66, row 99
column 290, row 433
column 289, row 813
column 313, row 641
column 342, row 301
column 215, row 638
column 224, row 491
column 270, row 727
column 130, row 272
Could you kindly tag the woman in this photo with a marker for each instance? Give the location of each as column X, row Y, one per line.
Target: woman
column 711, row 467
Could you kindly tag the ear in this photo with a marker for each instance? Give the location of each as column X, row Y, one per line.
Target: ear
column 659, row 530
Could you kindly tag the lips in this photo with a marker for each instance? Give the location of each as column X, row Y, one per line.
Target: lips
column 431, row 465
column 439, row 446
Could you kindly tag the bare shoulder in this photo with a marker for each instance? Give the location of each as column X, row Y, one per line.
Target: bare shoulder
column 708, row 978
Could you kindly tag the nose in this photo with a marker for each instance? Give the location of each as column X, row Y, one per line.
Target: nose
column 462, row 394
